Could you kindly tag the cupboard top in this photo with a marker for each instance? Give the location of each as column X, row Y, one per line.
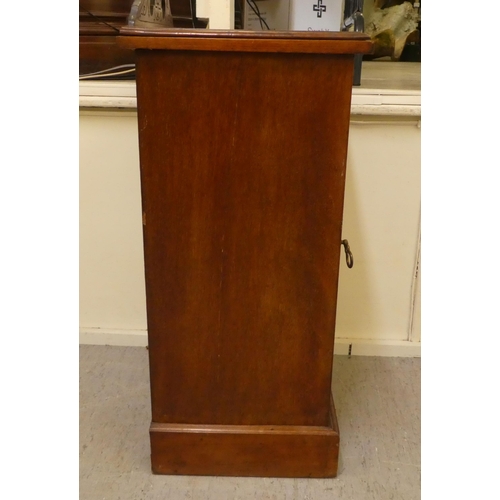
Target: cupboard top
column 245, row 41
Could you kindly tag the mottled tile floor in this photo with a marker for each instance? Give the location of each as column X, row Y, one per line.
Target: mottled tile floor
column 378, row 409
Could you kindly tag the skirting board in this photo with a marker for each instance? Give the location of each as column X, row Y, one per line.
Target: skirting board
column 107, row 336
column 358, row 347
column 372, row 347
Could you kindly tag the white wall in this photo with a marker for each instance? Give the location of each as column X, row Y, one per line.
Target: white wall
column 112, row 290
column 381, row 222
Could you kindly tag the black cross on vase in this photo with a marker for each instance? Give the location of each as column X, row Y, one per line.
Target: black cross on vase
column 319, row 8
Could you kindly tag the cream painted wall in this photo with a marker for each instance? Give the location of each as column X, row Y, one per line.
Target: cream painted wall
column 381, row 222
column 112, row 291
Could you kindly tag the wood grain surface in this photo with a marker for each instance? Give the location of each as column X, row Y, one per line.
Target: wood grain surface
column 313, row 42
column 243, row 156
column 246, row 450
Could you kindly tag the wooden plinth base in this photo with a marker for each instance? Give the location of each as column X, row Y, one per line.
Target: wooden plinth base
column 242, row 241
column 245, row 450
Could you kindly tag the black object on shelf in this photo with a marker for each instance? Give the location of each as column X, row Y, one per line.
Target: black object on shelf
column 412, row 50
column 353, row 16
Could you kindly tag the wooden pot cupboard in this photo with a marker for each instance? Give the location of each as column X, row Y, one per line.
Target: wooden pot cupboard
column 243, row 143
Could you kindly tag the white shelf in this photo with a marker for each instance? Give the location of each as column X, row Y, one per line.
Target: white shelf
column 387, row 89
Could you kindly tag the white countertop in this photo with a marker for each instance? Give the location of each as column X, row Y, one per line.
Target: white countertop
column 387, row 89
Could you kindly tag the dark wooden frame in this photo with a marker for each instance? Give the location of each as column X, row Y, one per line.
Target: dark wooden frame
column 243, row 143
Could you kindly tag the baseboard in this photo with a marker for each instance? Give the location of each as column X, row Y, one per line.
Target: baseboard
column 375, row 347
column 107, row 336
column 354, row 347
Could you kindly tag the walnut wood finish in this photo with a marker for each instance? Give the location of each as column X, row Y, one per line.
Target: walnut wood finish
column 313, row 42
column 243, row 143
column 253, row 450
